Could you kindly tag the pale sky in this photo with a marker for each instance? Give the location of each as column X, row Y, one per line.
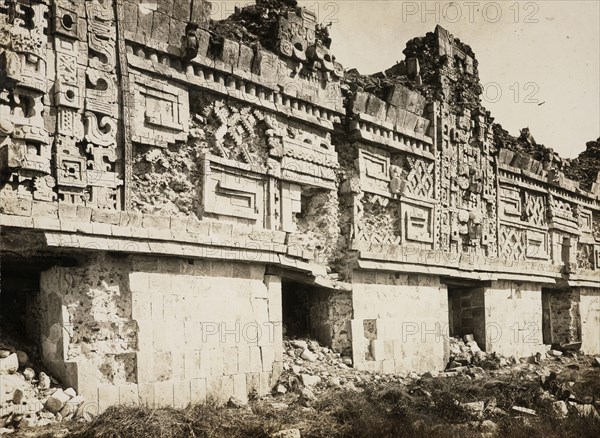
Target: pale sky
column 530, row 53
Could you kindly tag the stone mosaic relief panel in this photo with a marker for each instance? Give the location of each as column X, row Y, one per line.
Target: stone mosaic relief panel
column 378, row 220
column 512, row 243
column 412, row 176
column 562, row 213
column 466, row 184
column 160, row 111
column 241, row 164
column 68, row 95
column 232, row 192
column 418, row 223
column 25, row 152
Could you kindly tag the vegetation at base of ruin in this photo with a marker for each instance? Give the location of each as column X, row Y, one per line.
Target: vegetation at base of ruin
column 424, row 408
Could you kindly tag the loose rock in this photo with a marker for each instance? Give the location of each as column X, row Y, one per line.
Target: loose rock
column 288, row 433
column 45, row 381
column 309, row 380
column 309, row 356
column 9, row 364
column 57, row 401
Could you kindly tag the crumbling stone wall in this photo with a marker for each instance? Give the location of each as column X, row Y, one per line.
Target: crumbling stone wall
column 379, row 220
column 129, row 329
column 330, row 315
column 317, row 225
column 158, row 116
column 565, row 315
column 87, row 334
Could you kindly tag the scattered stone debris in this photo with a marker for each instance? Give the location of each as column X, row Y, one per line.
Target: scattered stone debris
column 29, row 399
column 467, row 357
column 523, row 410
column 309, row 378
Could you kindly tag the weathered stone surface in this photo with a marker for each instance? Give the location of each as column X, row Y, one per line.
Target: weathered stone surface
column 44, row 381
column 287, row 433
column 309, row 380
column 560, row 409
column 9, row 364
column 308, row 355
column 57, row 401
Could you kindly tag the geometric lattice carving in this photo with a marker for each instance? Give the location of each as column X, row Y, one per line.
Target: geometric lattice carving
column 416, row 175
column 419, row 181
column 512, row 243
column 535, row 209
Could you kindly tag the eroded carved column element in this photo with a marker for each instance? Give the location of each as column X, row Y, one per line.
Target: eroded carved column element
column 296, row 40
column 71, row 59
column 466, row 183
column 86, row 96
column 101, row 105
column 24, row 141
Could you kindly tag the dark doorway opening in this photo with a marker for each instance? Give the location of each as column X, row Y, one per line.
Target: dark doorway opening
column 319, row 313
column 546, row 316
column 296, row 309
column 466, row 312
column 19, row 295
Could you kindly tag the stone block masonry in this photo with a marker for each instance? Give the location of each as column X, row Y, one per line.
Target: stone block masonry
column 399, row 322
column 513, row 318
column 162, row 331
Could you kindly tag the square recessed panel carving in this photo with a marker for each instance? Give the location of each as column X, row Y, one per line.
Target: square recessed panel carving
column 418, row 223
column 72, row 171
column 374, row 167
column 230, row 192
column 510, row 202
column 160, row 112
column 585, row 220
column 537, row 245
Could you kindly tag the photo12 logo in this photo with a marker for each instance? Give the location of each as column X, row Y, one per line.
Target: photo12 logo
column 470, row 12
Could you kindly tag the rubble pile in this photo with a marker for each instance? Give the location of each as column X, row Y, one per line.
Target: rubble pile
column 586, row 167
column 311, row 369
column 465, row 355
column 32, row 399
column 257, row 23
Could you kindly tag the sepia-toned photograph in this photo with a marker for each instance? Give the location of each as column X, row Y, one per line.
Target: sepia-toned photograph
column 299, row 219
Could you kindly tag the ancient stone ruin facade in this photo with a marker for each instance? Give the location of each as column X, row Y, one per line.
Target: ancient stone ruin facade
column 174, row 200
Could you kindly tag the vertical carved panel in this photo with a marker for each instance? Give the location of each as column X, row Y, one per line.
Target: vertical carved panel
column 25, row 153
column 86, row 97
column 466, row 183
